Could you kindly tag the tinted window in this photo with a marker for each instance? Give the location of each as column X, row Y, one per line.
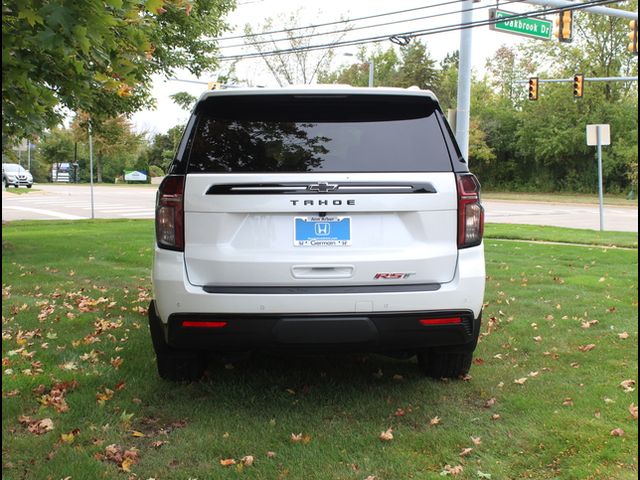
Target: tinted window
column 318, row 134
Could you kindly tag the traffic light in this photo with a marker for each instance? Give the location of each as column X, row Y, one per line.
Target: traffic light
column 633, row 36
column 564, row 26
column 533, row 88
column 578, row 85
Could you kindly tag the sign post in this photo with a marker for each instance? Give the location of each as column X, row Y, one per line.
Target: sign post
column 527, row 27
column 599, row 135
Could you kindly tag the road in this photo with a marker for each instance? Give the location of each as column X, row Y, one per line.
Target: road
column 73, row 202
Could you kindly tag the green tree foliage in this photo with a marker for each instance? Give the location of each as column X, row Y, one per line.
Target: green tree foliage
column 116, row 146
column 96, row 56
column 385, row 64
column 56, row 147
column 417, row 67
column 162, row 148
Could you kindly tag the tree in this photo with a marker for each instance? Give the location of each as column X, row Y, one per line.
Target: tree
column 299, row 65
column 386, row 64
column 417, row 67
column 447, row 88
column 57, row 147
column 115, row 145
column 98, row 57
column 163, row 147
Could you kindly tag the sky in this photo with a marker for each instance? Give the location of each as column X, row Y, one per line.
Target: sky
column 254, row 12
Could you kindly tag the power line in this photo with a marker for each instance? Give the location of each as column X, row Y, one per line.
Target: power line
column 347, row 30
column 293, row 29
column 415, row 33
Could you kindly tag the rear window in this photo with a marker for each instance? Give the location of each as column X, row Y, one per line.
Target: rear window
column 318, row 133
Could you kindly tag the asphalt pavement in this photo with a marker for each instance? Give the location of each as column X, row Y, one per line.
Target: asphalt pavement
column 73, row 202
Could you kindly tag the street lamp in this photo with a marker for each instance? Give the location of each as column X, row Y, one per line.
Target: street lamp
column 370, row 62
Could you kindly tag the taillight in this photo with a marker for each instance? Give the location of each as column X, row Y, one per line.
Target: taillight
column 470, row 211
column 170, row 213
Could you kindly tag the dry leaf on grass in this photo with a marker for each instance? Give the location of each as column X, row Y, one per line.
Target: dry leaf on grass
column 449, row 470
column 247, row 460
column 434, row 421
column 623, row 336
column 628, row 385
column 617, row 432
column 520, row 381
column 587, row 348
column 387, row 435
column 476, row 441
column 227, row 462
column 633, row 410
column 466, row 451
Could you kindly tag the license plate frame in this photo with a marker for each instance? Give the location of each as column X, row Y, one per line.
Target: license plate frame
column 322, row 231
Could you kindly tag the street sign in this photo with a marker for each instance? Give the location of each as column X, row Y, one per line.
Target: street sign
column 528, row 27
column 592, row 135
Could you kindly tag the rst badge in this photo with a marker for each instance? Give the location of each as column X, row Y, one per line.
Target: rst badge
column 392, row 275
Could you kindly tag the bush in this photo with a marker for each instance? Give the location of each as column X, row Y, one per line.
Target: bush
column 155, row 171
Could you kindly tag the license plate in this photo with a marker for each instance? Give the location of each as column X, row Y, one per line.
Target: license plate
column 322, row 231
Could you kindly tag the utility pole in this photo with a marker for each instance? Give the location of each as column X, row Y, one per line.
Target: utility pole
column 91, row 170
column 464, row 79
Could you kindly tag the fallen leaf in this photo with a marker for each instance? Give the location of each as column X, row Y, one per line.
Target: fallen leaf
column 588, row 324
column 39, row 427
column 116, row 362
column 466, row 451
column 483, row 475
column 387, row 435
column 568, row 402
column 434, row 421
column 633, row 410
column 399, row 412
column 158, row 443
column 466, row 377
column 495, row 416
column 227, row 462
column 247, row 460
column 627, row 385
column 296, row 437
column 449, row 470
column 490, row 403
column 476, row 441
column 623, row 336
column 521, row 381
column 135, row 433
column 586, row 348
column 271, row 454
column 537, row 339
column 126, row 464
column 617, row 432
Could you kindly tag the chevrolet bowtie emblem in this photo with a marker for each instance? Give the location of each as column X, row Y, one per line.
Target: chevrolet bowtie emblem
column 322, row 187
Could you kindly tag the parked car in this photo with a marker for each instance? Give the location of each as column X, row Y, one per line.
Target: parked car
column 16, row 175
column 313, row 220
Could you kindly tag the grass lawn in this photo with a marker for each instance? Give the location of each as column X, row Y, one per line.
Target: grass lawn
column 21, row 191
column 562, row 235
column 544, row 397
column 609, row 199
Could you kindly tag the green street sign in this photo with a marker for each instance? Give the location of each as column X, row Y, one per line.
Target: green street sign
column 527, row 27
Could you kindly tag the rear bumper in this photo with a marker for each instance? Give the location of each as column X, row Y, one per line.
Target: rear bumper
column 373, row 332
column 174, row 295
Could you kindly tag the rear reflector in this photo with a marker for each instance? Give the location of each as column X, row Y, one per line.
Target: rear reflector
column 441, row 321
column 188, row 323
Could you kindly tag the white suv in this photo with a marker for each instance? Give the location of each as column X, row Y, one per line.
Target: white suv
column 317, row 219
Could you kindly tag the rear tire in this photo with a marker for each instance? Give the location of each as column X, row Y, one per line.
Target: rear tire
column 174, row 364
column 437, row 364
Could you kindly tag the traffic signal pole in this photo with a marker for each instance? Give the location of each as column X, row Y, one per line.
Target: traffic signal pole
column 611, row 12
